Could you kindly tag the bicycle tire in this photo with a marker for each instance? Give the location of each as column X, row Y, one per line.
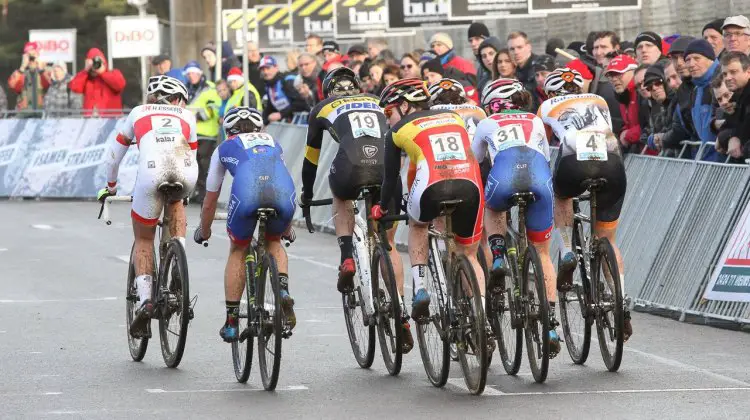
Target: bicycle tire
column 609, row 330
column 573, row 304
column 501, row 313
column 242, row 350
column 537, row 315
column 173, row 299
column 472, row 325
column 354, row 316
column 137, row 346
column 431, row 332
column 269, row 323
column 387, row 309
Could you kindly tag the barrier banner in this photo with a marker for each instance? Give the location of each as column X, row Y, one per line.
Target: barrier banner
column 419, row 13
column 231, row 20
column 485, row 9
column 312, row 17
column 571, row 6
column 730, row 280
column 274, row 27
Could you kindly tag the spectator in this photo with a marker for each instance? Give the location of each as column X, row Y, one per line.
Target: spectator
column 655, row 83
column 292, row 62
column 163, row 66
column 648, row 48
column 3, row 100
column 283, row 99
column 224, row 93
column 432, row 71
column 305, row 92
column 682, row 120
column 478, row 32
column 314, row 46
column 312, row 74
column 724, row 99
column 426, row 56
column 30, row 80
column 543, row 66
column 202, row 100
column 712, row 33
column 606, row 46
column 101, row 87
column 253, row 72
column 523, row 57
column 638, row 77
column 736, row 31
column 578, row 46
column 503, row 66
column 375, row 46
column 376, row 76
column 553, row 44
column 672, row 77
column 59, row 100
column 331, row 53
column 701, row 62
column 391, row 73
column 355, row 66
column 357, row 52
column 736, row 68
column 364, row 76
column 236, row 83
column 486, row 53
column 228, row 59
column 409, row 66
column 442, row 44
column 387, row 56
column 621, row 73
column 628, row 48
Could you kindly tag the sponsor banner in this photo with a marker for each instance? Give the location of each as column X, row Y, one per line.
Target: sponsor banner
column 568, row 6
column 312, row 17
column 133, row 36
column 274, row 27
column 484, row 9
column 730, row 280
column 55, row 44
column 357, row 18
column 419, row 13
column 231, row 20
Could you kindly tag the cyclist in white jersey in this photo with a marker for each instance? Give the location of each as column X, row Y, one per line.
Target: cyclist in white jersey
column 165, row 134
column 588, row 149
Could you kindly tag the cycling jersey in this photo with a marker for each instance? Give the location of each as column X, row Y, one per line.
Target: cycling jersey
column 166, row 139
column 260, row 180
column 583, row 125
column 439, row 150
column 507, row 130
column 357, row 124
column 471, row 114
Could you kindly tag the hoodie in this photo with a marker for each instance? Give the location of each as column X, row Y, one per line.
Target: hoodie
column 102, row 93
column 485, row 74
column 451, row 60
column 228, row 59
column 702, row 112
column 631, row 127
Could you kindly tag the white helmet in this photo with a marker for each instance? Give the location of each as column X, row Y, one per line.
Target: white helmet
column 164, row 86
column 557, row 79
column 497, row 94
column 235, row 115
column 444, row 86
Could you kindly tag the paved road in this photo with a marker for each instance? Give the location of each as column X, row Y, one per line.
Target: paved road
column 64, row 353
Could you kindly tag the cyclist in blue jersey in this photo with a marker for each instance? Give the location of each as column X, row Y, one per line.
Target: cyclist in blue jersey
column 260, row 180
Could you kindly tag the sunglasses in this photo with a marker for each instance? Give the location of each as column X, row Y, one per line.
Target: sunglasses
column 653, row 85
column 388, row 110
column 407, row 66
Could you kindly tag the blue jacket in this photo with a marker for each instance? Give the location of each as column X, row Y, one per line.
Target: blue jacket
column 702, row 112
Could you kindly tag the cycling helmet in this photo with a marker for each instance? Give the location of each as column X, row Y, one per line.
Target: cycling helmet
column 445, row 86
column 410, row 90
column 234, row 121
column 496, row 96
column 333, row 82
column 162, row 87
column 556, row 81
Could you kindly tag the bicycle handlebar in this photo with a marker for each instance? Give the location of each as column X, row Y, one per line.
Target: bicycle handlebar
column 104, row 211
column 382, row 230
column 306, row 211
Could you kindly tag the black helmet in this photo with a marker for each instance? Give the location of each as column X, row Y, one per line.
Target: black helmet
column 335, row 76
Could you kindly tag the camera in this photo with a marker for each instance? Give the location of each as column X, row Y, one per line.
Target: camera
column 96, row 63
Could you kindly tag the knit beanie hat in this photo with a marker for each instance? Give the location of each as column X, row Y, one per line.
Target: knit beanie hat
column 433, row 66
column 651, row 37
column 478, row 29
column 702, row 47
column 442, row 38
column 715, row 25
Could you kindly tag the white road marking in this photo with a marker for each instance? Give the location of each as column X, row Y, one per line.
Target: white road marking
column 191, row 391
column 3, row 249
column 488, row 390
column 312, row 261
column 3, row 332
column 52, row 393
column 35, row 352
column 56, row 300
column 684, row 366
column 317, row 308
column 123, row 258
column 625, row 391
column 316, row 321
column 327, row 335
column 42, row 227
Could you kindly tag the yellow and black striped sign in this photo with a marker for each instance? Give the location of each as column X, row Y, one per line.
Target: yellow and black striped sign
column 274, row 26
column 232, row 27
column 355, row 17
column 312, row 17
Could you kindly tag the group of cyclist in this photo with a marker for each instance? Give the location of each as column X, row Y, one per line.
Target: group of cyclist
column 445, row 139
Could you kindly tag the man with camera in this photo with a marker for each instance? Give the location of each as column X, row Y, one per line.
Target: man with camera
column 101, row 86
column 30, row 80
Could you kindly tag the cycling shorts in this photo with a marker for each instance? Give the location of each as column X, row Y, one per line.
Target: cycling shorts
column 424, row 206
column 522, row 169
column 250, row 193
column 148, row 201
column 570, row 173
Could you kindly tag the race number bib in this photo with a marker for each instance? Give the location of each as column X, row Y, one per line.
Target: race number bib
column 364, row 124
column 507, row 136
column 166, row 125
column 447, row 146
column 250, row 140
column 591, row 145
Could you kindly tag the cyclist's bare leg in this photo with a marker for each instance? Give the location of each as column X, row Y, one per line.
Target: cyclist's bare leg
column 234, row 273
column 418, row 242
column 550, row 279
column 398, row 264
column 484, row 245
column 279, row 254
column 471, row 253
column 564, row 220
column 609, row 230
column 344, row 217
column 177, row 219
column 494, row 224
column 144, row 248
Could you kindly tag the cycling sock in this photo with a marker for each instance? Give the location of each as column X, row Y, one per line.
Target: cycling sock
column 418, row 274
column 284, row 281
column 182, row 241
column 233, row 309
column 567, row 234
column 345, row 244
column 497, row 246
column 143, row 287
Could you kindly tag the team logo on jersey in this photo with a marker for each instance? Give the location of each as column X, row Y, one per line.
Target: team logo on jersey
column 369, row 151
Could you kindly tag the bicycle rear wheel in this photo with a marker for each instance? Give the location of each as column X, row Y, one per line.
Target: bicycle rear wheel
column 137, row 346
column 361, row 335
column 501, row 313
column 537, row 315
column 610, row 315
column 269, row 323
column 472, row 329
column 173, row 294
column 434, row 349
column 388, row 310
column 576, row 324
column 242, row 349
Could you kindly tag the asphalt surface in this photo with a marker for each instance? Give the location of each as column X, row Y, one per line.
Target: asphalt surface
column 64, row 350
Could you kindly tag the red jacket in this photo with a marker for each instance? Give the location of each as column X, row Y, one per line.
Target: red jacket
column 102, row 91
column 451, row 59
column 631, row 127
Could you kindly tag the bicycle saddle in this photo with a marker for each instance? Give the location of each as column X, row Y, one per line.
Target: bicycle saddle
column 522, row 197
column 267, row 212
column 172, row 190
column 448, row 206
column 593, row 184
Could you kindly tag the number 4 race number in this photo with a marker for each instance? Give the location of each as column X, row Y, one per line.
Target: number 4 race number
column 447, row 146
column 364, row 124
column 591, row 145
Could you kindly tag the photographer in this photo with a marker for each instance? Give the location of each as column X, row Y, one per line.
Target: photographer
column 30, row 80
column 101, row 87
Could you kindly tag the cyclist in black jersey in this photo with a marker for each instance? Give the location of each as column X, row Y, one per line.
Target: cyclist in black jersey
column 356, row 122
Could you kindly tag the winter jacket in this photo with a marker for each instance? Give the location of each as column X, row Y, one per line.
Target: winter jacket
column 702, row 99
column 631, row 128
column 451, row 60
column 484, row 75
column 283, row 97
column 738, row 124
column 204, row 104
column 59, row 100
column 228, row 60
column 102, row 93
column 660, row 119
column 681, row 128
column 30, row 86
column 526, row 74
column 238, row 95
column 254, row 76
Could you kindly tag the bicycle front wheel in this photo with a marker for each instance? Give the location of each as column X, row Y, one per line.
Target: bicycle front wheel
column 610, row 315
column 576, row 324
column 269, row 322
column 173, row 300
column 472, row 326
column 501, row 313
column 242, row 349
column 137, row 346
column 361, row 332
column 537, row 328
column 388, row 310
column 432, row 332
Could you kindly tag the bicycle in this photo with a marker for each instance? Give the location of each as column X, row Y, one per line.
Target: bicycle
column 456, row 315
column 170, row 292
column 375, row 277
column 590, row 297
column 265, row 320
column 520, row 307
